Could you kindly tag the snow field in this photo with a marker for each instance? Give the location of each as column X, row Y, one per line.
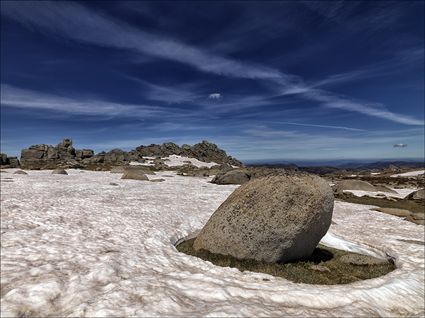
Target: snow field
column 77, row 246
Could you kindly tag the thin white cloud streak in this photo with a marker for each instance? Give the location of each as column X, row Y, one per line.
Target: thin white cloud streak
column 170, row 95
column 28, row 99
column 73, row 21
column 329, row 100
column 401, row 60
column 318, row 126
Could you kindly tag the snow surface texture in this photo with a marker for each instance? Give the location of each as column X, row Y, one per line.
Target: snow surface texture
column 74, row 245
column 401, row 193
column 409, row 174
column 175, row 161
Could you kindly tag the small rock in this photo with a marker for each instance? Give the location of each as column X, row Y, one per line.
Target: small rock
column 113, row 184
column 320, row 268
column 135, row 175
column 60, row 171
column 20, row 172
column 157, row 180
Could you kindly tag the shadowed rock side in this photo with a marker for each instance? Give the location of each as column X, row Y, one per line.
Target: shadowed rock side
column 8, row 162
column 271, row 219
column 417, row 195
column 64, row 155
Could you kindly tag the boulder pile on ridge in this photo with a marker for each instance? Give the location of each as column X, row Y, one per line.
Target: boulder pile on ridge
column 64, row 155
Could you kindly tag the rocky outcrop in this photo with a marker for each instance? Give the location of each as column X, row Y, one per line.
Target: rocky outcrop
column 271, row 219
column 8, row 162
column 50, row 157
column 64, row 155
column 209, row 152
column 204, row 151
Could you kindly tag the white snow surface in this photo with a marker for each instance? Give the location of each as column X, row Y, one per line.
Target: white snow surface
column 74, row 245
column 409, row 174
column 176, row 161
column 401, row 193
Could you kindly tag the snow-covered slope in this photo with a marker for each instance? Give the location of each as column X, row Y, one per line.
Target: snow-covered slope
column 409, row 174
column 401, row 193
column 176, row 161
column 77, row 246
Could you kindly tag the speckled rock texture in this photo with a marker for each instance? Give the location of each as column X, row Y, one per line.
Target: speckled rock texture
column 271, row 219
column 135, row 175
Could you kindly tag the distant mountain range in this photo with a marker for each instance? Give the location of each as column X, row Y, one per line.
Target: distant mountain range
column 336, row 165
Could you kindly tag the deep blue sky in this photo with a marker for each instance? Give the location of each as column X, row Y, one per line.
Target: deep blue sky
column 263, row 80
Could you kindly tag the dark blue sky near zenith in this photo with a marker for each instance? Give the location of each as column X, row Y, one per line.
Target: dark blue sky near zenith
column 294, row 80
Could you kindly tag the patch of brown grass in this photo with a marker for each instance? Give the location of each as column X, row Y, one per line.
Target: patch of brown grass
column 300, row 271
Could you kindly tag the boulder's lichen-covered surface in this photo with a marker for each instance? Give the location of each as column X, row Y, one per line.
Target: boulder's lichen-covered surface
column 270, row 219
column 78, row 246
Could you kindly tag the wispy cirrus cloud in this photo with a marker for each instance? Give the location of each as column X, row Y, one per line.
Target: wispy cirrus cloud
column 76, row 22
column 318, row 126
column 29, row 99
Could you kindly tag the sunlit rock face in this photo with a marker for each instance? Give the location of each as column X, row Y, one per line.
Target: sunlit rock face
column 272, row 219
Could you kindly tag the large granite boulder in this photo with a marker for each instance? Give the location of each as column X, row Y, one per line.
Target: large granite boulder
column 231, row 177
column 271, row 219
